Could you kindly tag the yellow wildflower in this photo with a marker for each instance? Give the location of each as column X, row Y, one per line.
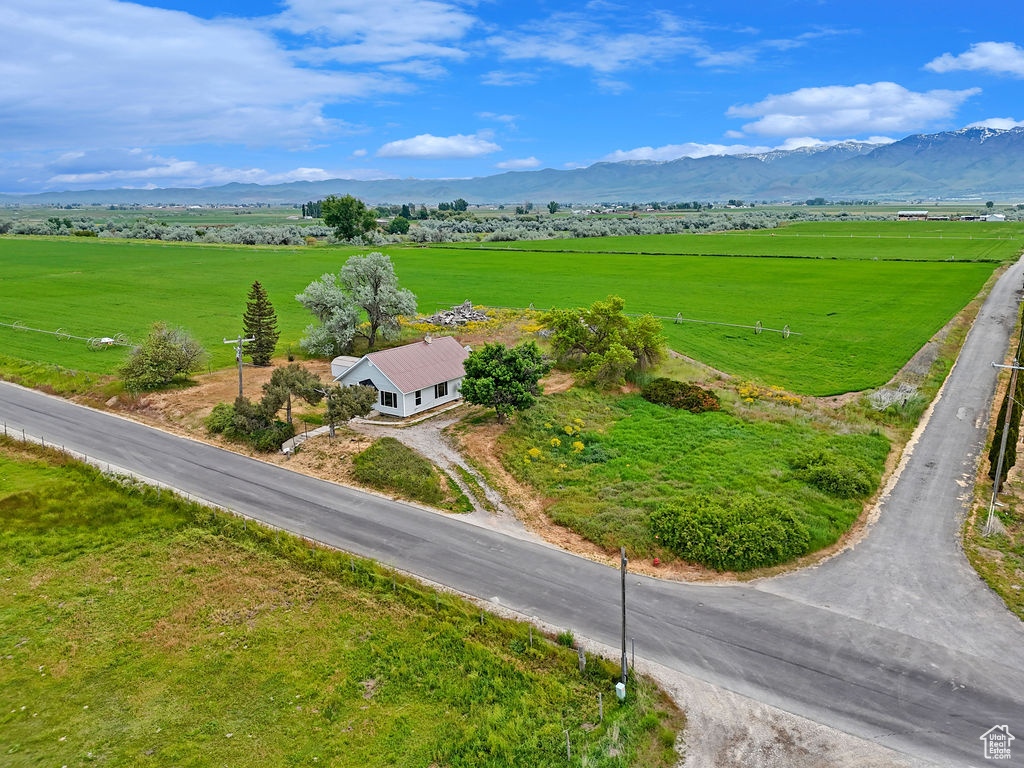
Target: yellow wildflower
column 555, row 442
column 577, row 446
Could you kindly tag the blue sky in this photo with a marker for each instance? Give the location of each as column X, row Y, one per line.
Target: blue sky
column 101, row 93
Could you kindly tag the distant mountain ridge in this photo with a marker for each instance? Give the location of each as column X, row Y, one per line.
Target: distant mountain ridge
column 967, row 163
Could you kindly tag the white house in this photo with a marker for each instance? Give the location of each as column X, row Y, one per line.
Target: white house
column 411, row 378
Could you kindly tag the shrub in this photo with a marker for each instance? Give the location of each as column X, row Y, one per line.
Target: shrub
column 838, row 476
column 220, row 418
column 730, row 532
column 679, row 394
column 391, row 466
column 596, row 453
column 565, row 638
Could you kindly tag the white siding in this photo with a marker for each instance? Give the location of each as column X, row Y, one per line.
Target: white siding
column 365, row 370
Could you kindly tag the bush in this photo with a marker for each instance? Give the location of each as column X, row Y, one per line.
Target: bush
column 164, row 355
column 730, row 532
column 250, row 423
column 838, row 476
column 566, row 639
column 220, row 418
column 679, row 394
column 595, row 453
column 391, row 466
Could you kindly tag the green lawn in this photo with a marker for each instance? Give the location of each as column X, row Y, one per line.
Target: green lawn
column 860, row 320
column 650, row 455
column 144, row 632
column 928, row 241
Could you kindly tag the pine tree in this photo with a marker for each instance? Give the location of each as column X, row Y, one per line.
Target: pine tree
column 260, row 322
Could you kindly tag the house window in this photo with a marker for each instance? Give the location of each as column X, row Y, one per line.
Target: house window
column 440, row 390
column 419, row 397
column 389, row 399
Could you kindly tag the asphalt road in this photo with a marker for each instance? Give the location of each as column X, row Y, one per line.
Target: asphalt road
column 896, row 640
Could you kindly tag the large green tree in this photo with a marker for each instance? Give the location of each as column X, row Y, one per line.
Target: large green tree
column 602, row 344
column 348, row 215
column 505, row 379
column 288, row 381
column 165, row 354
column 371, row 282
column 336, row 312
column 260, row 322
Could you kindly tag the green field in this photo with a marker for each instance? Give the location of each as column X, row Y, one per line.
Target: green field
column 649, row 455
column 227, row 216
column 138, row 631
column 849, row 240
column 860, row 320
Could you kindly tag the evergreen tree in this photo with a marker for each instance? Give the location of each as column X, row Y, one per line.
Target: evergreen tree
column 260, row 322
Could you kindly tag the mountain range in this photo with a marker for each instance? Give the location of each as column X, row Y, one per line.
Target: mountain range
column 968, row 163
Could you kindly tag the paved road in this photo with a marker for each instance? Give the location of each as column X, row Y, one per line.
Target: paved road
column 895, row 641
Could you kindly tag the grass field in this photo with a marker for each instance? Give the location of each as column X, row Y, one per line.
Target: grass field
column 650, row 455
column 849, row 240
column 860, row 320
column 169, row 215
column 146, row 632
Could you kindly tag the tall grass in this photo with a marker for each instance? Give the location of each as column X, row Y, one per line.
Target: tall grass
column 140, row 629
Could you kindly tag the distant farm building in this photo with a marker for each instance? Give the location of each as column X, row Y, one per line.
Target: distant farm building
column 408, row 379
column 911, row 215
column 995, row 217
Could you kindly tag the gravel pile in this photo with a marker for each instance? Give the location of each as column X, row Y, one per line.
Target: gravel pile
column 458, row 315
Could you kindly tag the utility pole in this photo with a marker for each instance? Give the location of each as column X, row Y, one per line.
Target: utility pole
column 1014, row 368
column 238, row 355
column 625, row 662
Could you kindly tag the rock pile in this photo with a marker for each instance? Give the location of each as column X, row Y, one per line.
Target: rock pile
column 458, row 315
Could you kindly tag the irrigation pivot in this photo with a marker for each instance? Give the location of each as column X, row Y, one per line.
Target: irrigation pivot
column 94, row 342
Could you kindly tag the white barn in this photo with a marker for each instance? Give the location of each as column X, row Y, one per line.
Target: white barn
column 411, row 378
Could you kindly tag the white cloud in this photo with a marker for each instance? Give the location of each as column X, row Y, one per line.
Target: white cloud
column 1003, row 123
column 378, row 32
column 1001, row 58
column 578, row 41
column 735, row 134
column 359, row 153
column 518, row 164
column 676, row 151
column 137, row 167
column 427, row 145
column 610, row 85
column 506, row 79
column 856, row 109
column 694, row 150
column 497, row 117
column 102, row 73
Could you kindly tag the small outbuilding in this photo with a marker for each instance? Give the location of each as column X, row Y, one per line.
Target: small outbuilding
column 411, row 378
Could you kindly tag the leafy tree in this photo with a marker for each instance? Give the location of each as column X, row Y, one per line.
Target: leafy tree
column 260, row 322
column 504, row 378
column 344, row 403
column 553, row 207
column 459, row 205
column 163, row 355
column 337, row 313
column 372, row 284
column 285, row 382
column 399, row 226
column 602, row 343
column 989, row 204
column 348, row 215
column 406, row 212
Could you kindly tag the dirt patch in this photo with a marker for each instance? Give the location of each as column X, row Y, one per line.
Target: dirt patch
column 557, row 381
column 188, row 407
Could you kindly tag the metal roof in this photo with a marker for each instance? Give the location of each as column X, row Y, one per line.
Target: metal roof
column 422, row 364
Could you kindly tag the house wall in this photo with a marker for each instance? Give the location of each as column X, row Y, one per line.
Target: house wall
column 364, row 369
column 429, row 401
